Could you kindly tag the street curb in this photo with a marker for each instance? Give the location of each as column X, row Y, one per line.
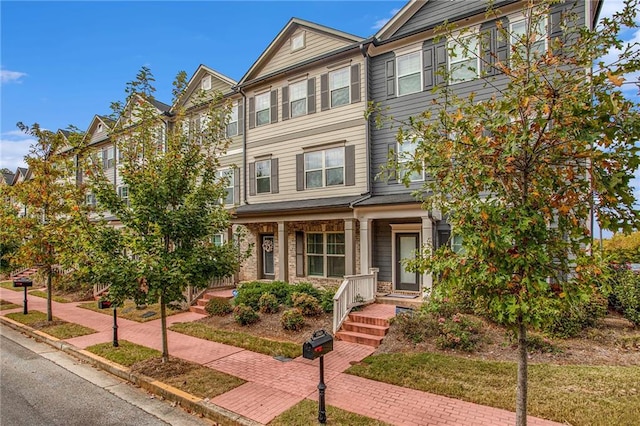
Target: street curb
column 190, row 402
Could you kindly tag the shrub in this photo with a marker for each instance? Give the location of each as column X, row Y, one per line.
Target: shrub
column 249, row 293
column 326, row 299
column 458, row 332
column 569, row 322
column 416, row 326
column 292, row 319
column 538, row 343
column 218, row 306
column 268, row 304
column 626, row 288
column 308, row 305
column 305, row 288
column 244, row 315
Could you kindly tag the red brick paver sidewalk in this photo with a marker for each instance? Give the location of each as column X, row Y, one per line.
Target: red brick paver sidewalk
column 274, row 386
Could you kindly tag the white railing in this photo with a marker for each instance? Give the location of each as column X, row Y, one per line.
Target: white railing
column 191, row 294
column 18, row 271
column 356, row 290
column 98, row 289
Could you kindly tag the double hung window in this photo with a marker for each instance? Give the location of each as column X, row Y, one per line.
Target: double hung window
column 339, row 86
column 324, row 168
column 532, row 35
column 326, row 254
column 298, row 98
column 232, row 126
column 406, row 154
column 263, row 176
column 464, row 59
column 263, row 109
column 227, row 176
column 409, row 73
column 123, row 193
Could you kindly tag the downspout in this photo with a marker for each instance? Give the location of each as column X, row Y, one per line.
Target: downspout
column 367, row 137
column 244, row 145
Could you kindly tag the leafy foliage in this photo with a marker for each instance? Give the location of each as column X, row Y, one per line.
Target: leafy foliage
column 268, row 304
column 292, row 319
column 245, row 315
column 218, row 306
column 308, row 305
column 624, row 248
column 626, row 291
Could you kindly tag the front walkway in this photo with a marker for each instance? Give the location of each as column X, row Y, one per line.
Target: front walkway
column 274, row 386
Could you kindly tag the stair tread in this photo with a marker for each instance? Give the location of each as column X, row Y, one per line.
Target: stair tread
column 365, row 325
column 361, row 335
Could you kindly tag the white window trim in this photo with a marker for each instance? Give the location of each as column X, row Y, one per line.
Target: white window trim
column 230, row 187
column 304, row 41
column 110, row 158
column 125, row 199
column 324, row 254
column 419, row 72
column 268, row 108
column 348, row 86
column 401, row 161
column 222, row 239
column 474, row 35
column 324, row 168
column 263, row 177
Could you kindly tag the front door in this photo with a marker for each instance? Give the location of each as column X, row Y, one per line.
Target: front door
column 406, row 244
column 266, row 248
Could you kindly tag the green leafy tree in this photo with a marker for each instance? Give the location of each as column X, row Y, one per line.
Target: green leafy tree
column 51, row 202
column 173, row 204
column 515, row 173
column 624, row 248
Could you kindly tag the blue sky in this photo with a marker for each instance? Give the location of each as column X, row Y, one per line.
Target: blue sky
column 63, row 62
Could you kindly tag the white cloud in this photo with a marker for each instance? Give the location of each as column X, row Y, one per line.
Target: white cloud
column 14, row 145
column 7, row 76
column 382, row 22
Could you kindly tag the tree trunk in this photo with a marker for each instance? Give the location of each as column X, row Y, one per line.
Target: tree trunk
column 163, row 322
column 49, row 294
column 521, row 392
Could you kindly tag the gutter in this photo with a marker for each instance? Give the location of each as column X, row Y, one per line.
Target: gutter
column 367, row 130
column 244, row 143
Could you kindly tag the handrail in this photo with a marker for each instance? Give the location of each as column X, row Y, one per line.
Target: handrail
column 98, row 289
column 191, row 294
column 355, row 290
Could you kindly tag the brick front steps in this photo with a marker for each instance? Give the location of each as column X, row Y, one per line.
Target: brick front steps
column 25, row 273
column 367, row 327
column 208, row 295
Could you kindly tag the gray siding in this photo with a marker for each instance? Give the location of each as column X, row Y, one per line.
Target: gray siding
column 382, row 249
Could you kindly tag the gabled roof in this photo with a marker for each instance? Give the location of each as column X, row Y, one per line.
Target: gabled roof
column 20, row 171
column 399, row 19
column 8, row 178
column 198, row 75
column 65, row 133
column 161, row 107
column 284, row 34
column 97, row 119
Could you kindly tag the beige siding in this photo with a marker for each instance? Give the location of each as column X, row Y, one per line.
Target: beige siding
column 196, row 97
column 316, row 44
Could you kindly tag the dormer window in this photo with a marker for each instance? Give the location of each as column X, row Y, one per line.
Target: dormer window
column 206, row 83
column 297, row 42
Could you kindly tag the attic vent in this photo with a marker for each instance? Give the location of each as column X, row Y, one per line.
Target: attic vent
column 99, row 127
column 206, row 83
column 297, row 41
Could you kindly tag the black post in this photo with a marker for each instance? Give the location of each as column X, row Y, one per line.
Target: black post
column 24, row 309
column 115, row 328
column 322, row 413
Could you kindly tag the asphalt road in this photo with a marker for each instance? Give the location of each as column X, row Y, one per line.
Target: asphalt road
column 42, row 386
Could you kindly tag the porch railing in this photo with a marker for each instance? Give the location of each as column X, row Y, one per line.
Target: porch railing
column 98, row 289
column 356, row 290
column 191, row 294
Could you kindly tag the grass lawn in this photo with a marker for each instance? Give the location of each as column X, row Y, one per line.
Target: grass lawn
column 306, row 413
column 56, row 328
column 43, row 294
column 9, row 285
column 5, row 305
column 187, row 376
column 575, row 394
column 240, row 340
column 130, row 312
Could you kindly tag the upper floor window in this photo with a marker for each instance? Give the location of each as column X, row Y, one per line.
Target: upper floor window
column 406, row 154
column 263, row 109
column 298, row 98
column 326, row 254
column 324, row 168
column 263, row 176
column 297, row 41
column 206, row 83
column 456, row 244
column 464, row 59
column 227, row 175
column 123, row 193
column 217, row 240
column 339, row 87
column 535, row 37
column 90, row 199
column 232, row 126
column 409, row 73
column 108, row 158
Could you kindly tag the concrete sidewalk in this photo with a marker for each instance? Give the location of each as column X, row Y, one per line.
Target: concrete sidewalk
column 274, row 386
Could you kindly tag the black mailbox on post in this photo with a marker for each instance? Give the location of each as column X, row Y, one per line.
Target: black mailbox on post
column 104, row 304
column 320, row 344
column 22, row 282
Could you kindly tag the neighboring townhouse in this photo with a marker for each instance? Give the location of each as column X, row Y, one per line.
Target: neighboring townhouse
column 20, row 175
column 405, row 65
column 305, row 155
column 199, row 94
column 7, row 178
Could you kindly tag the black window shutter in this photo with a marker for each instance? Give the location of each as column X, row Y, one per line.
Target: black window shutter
column 285, row 103
column 236, row 186
column 299, row 254
column 240, row 118
column 252, row 113
column 391, row 77
column 324, row 92
column 487, row 45
column 274, row 176
column 392, row 156
column 274, row 106
column 311, row 95
column 441, row 62
column 104, row 158
column 502, row 47
column 252, row 178
column 350, row 165
column 427, row 64
column 355, row 83
column 299, row 172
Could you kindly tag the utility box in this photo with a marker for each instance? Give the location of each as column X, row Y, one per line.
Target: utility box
column 318, row 345
column 22, row 282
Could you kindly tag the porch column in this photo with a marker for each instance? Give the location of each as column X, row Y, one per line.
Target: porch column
column 365, row 246
column 427, row 239
column 283, row 252
column 349, row 247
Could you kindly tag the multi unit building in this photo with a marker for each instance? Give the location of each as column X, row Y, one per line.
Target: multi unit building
column 306, row 168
